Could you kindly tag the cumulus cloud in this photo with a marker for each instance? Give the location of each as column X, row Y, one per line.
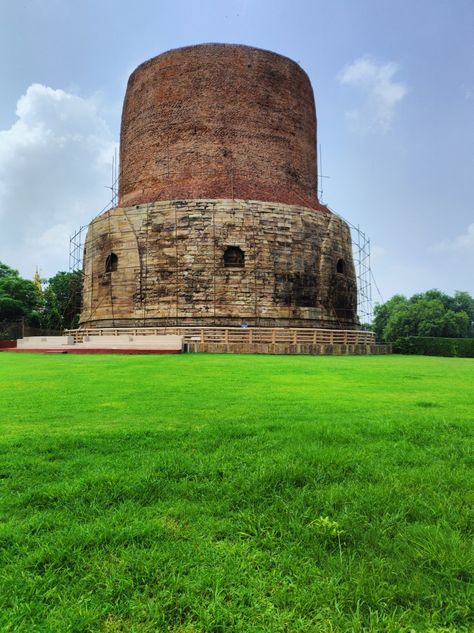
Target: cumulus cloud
column 55, row 162
column 380, row 93
column 461, row 243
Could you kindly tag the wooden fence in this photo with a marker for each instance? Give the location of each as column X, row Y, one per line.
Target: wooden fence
column 242, row 336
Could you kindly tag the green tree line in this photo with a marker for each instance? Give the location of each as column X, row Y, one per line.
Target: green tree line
column 431, row 313
column 52, row 304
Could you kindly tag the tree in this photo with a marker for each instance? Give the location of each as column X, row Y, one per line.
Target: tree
column 62, row 301
column 56, row 308
column 19, row 298
column 382, row 313
column 432, row 313
column 463, row 302
column 6, row 271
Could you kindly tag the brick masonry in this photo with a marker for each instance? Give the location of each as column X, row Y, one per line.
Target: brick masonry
column 170, row 266
column 219, row 121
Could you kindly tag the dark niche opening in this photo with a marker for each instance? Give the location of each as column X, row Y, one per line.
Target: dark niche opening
column 234, row 257
column 111, row 263
column 341, row 266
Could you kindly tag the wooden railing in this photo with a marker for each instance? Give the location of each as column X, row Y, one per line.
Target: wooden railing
column 249, row 335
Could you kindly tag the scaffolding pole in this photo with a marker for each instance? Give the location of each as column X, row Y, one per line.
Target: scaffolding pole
column 76, row 249
column 363, row 269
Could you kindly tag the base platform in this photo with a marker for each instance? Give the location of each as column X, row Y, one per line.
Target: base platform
column 96, row 350
column 174, row 340
column 117, row 343
column 252, row 340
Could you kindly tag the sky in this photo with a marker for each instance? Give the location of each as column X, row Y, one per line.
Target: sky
column 394, row 89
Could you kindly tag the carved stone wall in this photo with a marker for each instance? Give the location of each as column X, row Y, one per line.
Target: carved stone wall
column 218, row 262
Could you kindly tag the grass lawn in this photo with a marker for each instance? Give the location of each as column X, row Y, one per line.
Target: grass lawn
column 220, row 493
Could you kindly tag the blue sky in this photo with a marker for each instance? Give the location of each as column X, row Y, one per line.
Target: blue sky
column 394, row 88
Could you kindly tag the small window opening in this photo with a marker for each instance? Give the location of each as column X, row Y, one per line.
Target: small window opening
column 111, row 263
column 234, row 257
column 341, row 266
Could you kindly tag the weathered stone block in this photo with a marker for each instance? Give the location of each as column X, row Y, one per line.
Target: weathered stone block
column 159, row 279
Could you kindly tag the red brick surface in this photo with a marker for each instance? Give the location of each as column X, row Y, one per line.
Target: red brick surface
column 219, row 121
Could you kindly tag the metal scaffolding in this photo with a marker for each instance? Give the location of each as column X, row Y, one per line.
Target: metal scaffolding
column 76, row 241
column 361, row 255
column 360, row 248
column 76, row 249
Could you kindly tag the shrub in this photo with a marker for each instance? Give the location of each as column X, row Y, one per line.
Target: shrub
column 434, row 346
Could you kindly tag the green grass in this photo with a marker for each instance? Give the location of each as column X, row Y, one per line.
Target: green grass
column 213, row 493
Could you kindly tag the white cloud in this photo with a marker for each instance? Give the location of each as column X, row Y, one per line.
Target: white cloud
column 380, row 93
column 54, row 166
column 461, row 243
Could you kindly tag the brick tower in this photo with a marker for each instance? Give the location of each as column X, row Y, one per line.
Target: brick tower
column 218, row 220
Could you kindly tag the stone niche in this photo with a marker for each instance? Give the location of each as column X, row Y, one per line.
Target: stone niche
column 218, row 262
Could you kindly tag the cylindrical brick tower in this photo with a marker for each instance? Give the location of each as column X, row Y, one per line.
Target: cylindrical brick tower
column 218, row 220
column 218, row 121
